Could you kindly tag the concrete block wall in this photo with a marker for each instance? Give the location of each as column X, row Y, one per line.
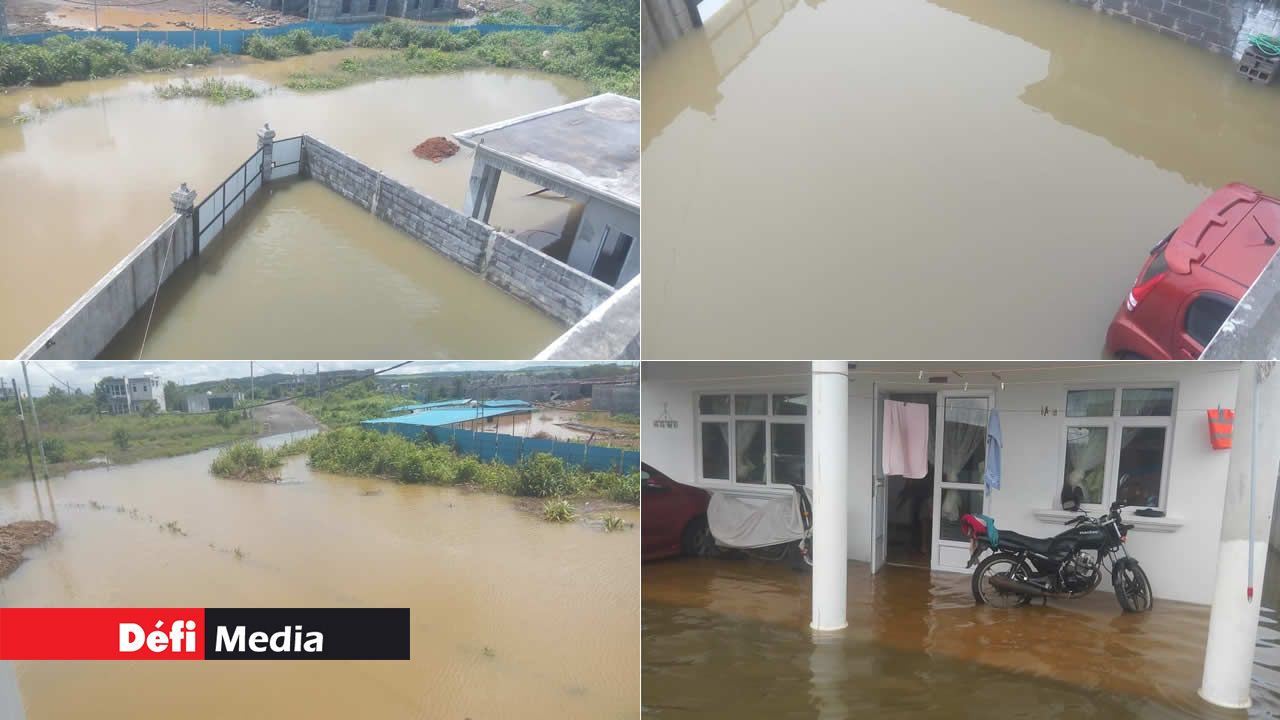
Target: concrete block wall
column 4, row 24
column 359, row 10
column 422, row 9
column 85, row 329
column 1213, row 25
column 522, row 271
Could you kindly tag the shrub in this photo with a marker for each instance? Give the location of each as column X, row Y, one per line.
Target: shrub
column 543, row 475
column 246, row 460
column 120, row 438
column 613, row 523
column 55, row 450
column 558, row 511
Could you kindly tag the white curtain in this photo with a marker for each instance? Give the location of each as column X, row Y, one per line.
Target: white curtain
column 1085, row 453
column 750, row 466
column 964, row 431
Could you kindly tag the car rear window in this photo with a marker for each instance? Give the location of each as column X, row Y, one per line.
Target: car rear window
column 1206, row 315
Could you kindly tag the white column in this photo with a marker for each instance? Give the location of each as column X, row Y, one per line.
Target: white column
column 10, row 696
column 830, row 398
column 1255, row 459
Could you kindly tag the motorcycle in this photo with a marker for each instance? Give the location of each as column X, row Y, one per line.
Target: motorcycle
column 776, row 529
column 1064, row 567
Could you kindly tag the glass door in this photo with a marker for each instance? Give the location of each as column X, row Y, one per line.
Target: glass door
column 879, row 499
column 959, row 461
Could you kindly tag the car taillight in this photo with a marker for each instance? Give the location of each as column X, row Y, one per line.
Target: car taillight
column 1142, row 290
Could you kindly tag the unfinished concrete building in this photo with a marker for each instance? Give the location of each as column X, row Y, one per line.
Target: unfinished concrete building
column 588, row 151
column 374, row 10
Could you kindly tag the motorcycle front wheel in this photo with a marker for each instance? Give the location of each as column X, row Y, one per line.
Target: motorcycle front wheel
column 986, row 593
column 1133, row 589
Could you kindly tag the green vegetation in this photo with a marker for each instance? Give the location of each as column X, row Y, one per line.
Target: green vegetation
column 356, row 451
column 350, row 404
column 247, row 461
column 215, row 90
column 294, row 42
column 60, row 59
column 76, row 434
column 613, row 523
column 604, row 52
column 558, row 511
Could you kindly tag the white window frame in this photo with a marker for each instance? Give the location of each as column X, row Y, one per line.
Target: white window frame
column 1115, row 425
column 769, row 418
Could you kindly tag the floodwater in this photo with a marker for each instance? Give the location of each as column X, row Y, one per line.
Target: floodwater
column 722, row 638
column 305, row 257
column 87, row 175
column 954, row 178
column 556, row 606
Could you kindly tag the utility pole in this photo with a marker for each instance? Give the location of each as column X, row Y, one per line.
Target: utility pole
column 22, row 419
column 35, row 419
column 95, row 16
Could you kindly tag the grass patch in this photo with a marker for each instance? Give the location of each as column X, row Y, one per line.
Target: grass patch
column 613, row 523
column 290, row 44
column 80, row 436
column 60, row 59
column 215, row 90
column 248, row 461
column 350, row 404
column 558, row 511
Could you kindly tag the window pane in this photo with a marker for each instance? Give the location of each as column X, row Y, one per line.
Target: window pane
column 713, row 404
column 788, row 453
column 1091, row 403
column 1147, row 401
column 715, row 450
column 955, row 505
column 1141, row 465
column 751, row 404
column 964, row 439
column 1085, row 465
column 790, row 404
column 1206, row 315
column 750, row 441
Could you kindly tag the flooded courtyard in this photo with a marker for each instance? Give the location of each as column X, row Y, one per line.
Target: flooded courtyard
column 922, row 172
column 726, row 637
column 511, row 616
column 86, row 170
column 306, row 255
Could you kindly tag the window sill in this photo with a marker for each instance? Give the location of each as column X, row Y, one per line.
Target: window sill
column 1166, row 524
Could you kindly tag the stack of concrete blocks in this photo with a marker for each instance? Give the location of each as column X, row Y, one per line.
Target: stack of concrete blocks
column 522, row 271
column 1215, row 25
column 422, row 9
column 342, row 11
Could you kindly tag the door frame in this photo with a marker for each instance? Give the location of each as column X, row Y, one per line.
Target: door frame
column 879, row 484
column 936, row 541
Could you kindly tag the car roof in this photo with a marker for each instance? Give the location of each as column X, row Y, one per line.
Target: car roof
column 1228, row 235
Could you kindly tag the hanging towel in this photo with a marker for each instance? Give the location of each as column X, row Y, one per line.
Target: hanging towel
column 905, row 450
column 991, row 475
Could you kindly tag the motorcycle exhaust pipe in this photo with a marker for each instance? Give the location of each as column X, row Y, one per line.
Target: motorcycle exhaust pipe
column 1010, row 585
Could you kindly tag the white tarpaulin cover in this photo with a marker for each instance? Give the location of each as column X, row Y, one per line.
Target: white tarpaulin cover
column 754, row 522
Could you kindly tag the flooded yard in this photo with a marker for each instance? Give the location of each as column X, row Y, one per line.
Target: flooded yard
column 945, row 178
column 724, row 637
column 305, row 254
column 511, row 616
column 86, row 170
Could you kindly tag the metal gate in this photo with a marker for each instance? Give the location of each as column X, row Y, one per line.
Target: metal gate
column 225, row 201
column 286, row 156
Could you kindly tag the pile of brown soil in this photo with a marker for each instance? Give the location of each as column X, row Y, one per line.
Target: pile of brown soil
column 18, row 536
column 436, row 149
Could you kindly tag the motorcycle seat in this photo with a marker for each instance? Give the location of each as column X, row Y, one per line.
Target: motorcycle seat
column 1017, row 541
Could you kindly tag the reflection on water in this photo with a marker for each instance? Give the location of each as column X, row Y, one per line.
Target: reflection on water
column 81, row 186
column 555, row 604
column 306, row 257
column 951, row 178
column 727, row 637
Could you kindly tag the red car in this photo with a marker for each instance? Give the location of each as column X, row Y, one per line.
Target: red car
column 1195, row 278
column 673, row 517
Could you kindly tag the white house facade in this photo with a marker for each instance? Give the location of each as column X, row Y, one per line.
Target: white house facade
column 1104, row 431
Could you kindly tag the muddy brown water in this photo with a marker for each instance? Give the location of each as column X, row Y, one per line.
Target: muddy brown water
column 317, row 259
column 557, row 605
column 727, row 637
column 955, row 178
column 88, row 175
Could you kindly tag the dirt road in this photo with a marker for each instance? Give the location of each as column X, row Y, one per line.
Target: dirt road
column 284, row 418
column 28, row 16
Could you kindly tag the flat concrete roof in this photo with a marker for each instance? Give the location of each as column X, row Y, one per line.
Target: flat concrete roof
column 593, row 144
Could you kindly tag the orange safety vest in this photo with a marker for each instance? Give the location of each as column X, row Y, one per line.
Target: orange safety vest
column 1220, row 428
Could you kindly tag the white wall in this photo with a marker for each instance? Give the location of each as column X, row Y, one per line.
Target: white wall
column 1180, row 556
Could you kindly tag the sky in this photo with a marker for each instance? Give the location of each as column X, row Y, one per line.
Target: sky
column 83, row 374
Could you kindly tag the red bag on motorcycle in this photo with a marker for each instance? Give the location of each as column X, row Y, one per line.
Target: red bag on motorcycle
column 972, row 526
column 1220, row 422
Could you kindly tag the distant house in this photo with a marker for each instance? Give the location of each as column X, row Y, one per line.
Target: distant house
column 211, row 402
column 128, row 395
column 373, row 10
